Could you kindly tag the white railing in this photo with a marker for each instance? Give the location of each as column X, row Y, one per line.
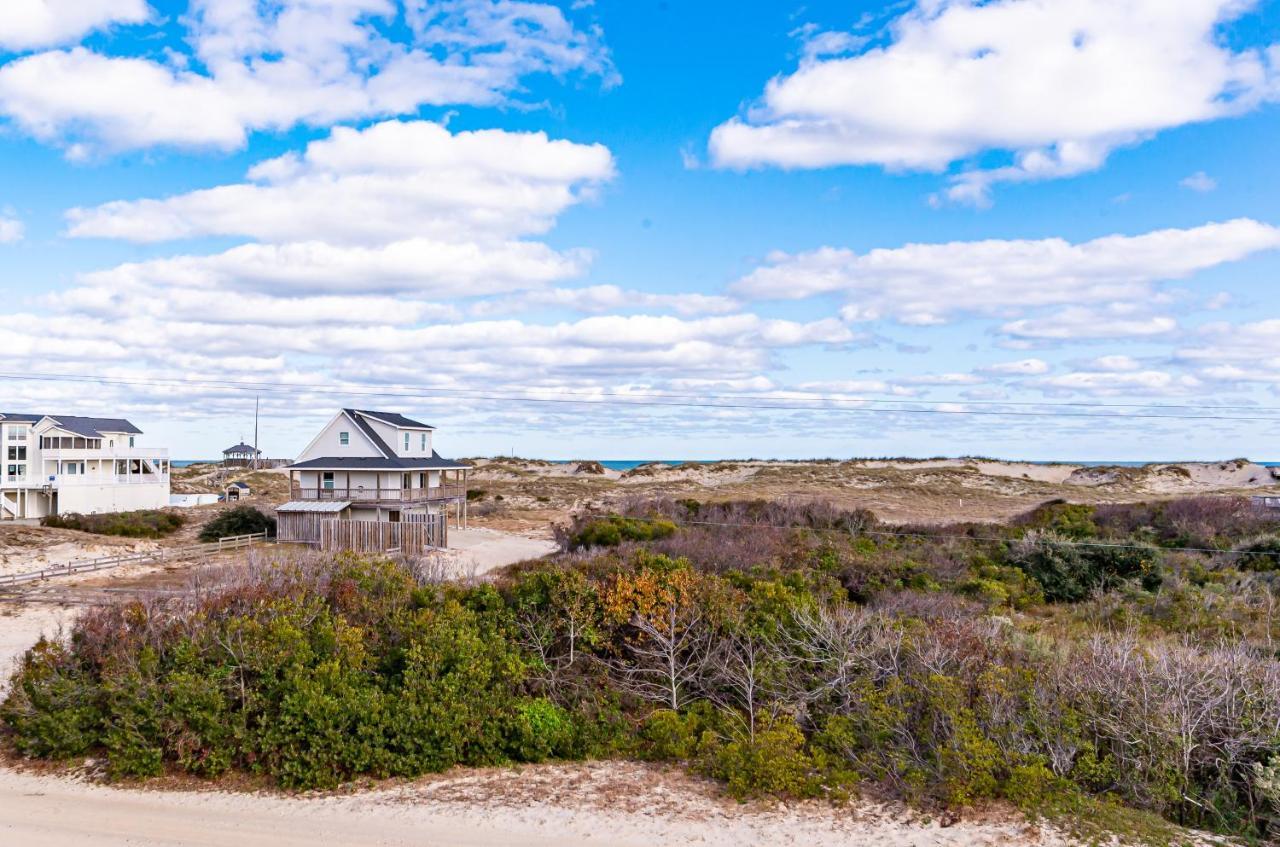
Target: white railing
column 61, row 480
column 105, row 453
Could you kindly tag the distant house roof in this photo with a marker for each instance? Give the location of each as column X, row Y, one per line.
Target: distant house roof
column 241, row 448
column 78, row 424
column 313, row 506
column 243, row 486
column 373, row 463
column 393, row 418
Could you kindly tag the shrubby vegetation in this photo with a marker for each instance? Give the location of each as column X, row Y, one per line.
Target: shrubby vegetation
column 810, row 653
column 242, row 520
column 145, row 523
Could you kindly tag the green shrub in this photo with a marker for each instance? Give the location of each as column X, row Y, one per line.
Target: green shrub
column 242, row 520
column 773, row 762
column 671, row 736
column 612, row 530
column 1069, row 572
column 1262, row 554
column 540, row 730
column 145, row 523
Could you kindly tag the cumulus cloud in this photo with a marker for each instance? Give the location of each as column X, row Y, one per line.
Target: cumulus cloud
column 1199, row 181
column 11, row 230
column 927, row 284
column 1055, row 84
column 392, row 180
column 31, row 24
column 1022, row 367
column 1081, row 323
column 251, row 66
column 609, row 298
column 1112, row 383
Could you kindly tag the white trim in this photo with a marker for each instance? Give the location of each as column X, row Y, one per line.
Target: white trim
column 423, row 428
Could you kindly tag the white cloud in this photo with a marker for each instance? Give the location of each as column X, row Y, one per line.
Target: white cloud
column 393, row 180
column 11, row 230
column 1199, row 181
column 418, row 267
column 30, row 24
column 1058, row 84
column 1115, row 363
column 1080, row 323
column 1111, row 383
column 597, row 299
column 942, row 379
column 926, row 284
column 1022, row 367
column 273, row 66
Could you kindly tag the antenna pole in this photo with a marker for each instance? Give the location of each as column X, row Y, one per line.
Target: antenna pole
column 255, row 431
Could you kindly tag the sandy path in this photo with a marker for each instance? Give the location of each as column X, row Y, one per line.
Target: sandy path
column 42, row 811
column 478, row 550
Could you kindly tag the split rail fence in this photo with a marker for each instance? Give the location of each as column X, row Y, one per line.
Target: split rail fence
column 164, row 554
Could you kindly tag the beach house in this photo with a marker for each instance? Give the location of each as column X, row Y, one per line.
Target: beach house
column 55, row 464
column 375, row 469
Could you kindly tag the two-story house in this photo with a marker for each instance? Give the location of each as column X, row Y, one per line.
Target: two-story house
column 55, row 464
column 373, row 466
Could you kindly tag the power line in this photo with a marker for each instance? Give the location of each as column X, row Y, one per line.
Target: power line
column 619, row 399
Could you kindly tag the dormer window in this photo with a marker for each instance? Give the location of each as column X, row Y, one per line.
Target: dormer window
column 344, row 438
column 130, row 440
column 406, row 442
column 424, row 442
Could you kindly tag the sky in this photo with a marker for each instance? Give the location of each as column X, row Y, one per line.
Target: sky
column 650, row 229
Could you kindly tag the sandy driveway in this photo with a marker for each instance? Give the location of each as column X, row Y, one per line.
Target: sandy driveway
column 480, row 550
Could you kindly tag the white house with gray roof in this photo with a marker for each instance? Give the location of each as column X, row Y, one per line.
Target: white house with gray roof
column 375, row 466
column 56, row 464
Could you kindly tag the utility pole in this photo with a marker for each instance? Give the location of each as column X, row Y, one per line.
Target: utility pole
column 256, row 398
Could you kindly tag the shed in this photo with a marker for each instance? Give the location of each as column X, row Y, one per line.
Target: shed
column 237, row 490
column 299, row 520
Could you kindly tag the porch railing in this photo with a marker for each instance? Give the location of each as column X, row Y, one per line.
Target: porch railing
column 382, row 495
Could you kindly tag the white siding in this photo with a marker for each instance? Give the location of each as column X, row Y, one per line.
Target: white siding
column 329, row 444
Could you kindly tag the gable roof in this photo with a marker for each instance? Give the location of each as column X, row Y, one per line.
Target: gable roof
column 393, row 418
column 241, row 448
column 78, row 424
column 370, row 433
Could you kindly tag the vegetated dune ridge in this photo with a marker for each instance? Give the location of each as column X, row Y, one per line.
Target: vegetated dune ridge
column 615, row 803
column 511, row 493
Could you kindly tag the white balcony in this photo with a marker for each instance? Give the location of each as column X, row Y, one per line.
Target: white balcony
column 72, row 454
column 74, row 479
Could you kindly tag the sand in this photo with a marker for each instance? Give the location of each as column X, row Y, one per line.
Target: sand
column 479, row 550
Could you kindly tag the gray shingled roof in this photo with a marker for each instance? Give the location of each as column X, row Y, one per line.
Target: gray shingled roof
column 393, row 418
column 370, row 433
column 80, row 425
column 373, row 463
column 240, row 448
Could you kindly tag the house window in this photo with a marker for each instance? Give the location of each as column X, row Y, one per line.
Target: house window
column 17, row 473
column 17, row 454
column 326, row 479
column 424, row 442
column 406, row 442
column 69, row 469
column 344, row 438
column 422, row 480
column 130, row 440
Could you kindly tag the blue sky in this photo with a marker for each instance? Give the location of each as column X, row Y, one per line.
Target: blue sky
column 1000, row 206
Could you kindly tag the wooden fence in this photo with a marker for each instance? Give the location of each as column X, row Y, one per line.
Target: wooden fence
column 411, row 538
column 164, row 554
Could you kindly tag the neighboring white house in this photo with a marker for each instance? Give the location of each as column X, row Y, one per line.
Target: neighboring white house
column 371, row 466
column 55, row 464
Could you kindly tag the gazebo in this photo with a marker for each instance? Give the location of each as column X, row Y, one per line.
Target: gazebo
column 240, row 456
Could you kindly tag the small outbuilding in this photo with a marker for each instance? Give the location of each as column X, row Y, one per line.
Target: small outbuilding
column 240, row 456
column 237, row 490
